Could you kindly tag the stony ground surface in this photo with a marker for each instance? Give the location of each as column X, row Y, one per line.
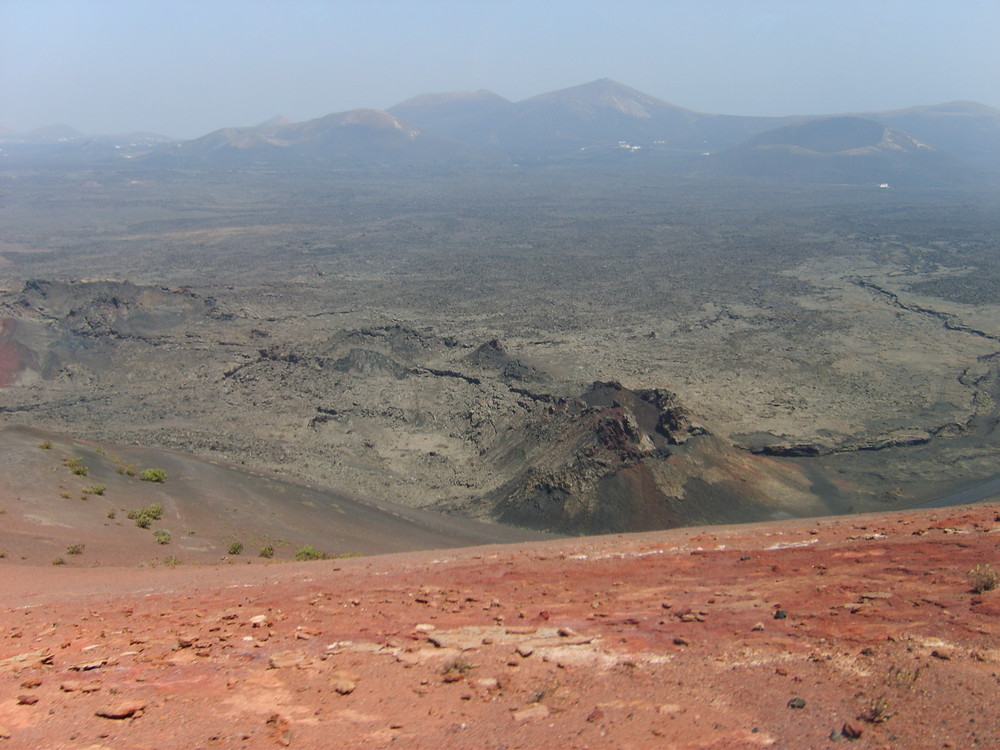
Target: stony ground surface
column 859, row 631
column 328, row 326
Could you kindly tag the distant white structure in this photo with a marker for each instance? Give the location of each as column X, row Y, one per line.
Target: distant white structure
column 884, row 185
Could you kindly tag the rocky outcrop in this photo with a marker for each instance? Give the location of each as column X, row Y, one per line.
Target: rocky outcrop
column 616, row 459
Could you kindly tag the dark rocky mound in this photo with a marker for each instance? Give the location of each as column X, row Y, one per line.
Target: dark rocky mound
column 367, row 362
column 617, row 460
column 492, row 356
column 118, row 309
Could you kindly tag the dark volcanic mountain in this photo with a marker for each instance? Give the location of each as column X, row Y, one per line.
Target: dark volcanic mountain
column 598, row 116
column 966, row 129
column 465, row 116
column 593, row 122
column 848, row 150
column 360, row 137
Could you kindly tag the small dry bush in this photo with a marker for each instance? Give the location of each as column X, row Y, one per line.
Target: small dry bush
column 983, row 578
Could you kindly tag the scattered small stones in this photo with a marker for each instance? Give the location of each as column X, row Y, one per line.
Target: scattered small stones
column 850, row 731
column 88, row 666
column 343, row 682
column 691, row 616
column 797, row 702
column 121, row 710
column 279, row 729
column 533, row 713
column 596, row 715
column 780, row 614
column 284, row 659
column 27, row 700
column 31, row 682
column 876, row 595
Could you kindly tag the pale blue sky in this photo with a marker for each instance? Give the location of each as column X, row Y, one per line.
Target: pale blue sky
column 186, row 67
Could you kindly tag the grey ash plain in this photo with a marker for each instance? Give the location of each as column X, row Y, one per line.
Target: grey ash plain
column 416, row 336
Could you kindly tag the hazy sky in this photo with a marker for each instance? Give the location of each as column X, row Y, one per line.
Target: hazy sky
column 184, row 68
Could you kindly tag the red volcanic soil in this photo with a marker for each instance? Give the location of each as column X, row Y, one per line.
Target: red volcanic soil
column 858, row 631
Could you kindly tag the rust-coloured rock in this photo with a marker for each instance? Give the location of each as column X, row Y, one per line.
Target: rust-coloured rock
column 121, row 710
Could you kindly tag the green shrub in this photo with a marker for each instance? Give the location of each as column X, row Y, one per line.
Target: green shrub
column 266, row 551
column 236, row 548
column 309, row 553
column 75, row 549
column 58, row 561
column 126, row 469
column 112, row 513
column 171, row 561
column 144, row 517
column 45, row 445
column 76, row 465
column 162, row 536
column 97, row 489
column 153, row 475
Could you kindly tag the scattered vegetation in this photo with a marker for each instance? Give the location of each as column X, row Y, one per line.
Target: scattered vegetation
column 309, row 552
column 162, row 536
column 96, row 489
column 45, row 445
column 76, row 466
column 65, row 494
column 171, row 561
column 903, row 677
column 455, row 669
column 236, row 548
column 542, row 693
column 876, row 712
column 58, row 561
column 153, row 475
column 983, row 578
column 3, row 552
column 75, row 549
column 144, row 517
column 126, row 470
column 112, row 513
column 266, row 551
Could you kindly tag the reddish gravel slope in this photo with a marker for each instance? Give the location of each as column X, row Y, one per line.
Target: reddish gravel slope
column 860, row 631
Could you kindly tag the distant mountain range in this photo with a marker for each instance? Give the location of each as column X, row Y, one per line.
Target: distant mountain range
column 599, row 121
